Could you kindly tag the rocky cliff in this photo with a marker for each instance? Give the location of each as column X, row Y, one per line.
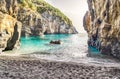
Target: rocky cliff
column 29, row 18
column 10, row 27
column 38, row 17
column 102, row 23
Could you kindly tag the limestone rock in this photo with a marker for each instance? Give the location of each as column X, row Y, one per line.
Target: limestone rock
column 22, row 18
column 102, row 23
column 9, row 6
column 13, row 42
column 53, row 24
column 3, row 6
column 10, row 32
column 10, row 28
column 36, row 23
column 31, row 22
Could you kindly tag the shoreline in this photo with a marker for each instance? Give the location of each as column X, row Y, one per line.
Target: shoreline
column 23, row 67
column 92, row 60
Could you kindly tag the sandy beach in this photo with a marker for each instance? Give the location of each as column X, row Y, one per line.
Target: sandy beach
column 32, row 68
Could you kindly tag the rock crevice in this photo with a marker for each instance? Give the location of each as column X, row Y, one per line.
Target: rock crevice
column 102, row 23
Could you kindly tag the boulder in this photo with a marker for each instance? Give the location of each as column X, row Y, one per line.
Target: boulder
column 56, row 42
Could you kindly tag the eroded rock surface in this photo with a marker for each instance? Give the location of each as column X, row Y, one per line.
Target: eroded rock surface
column 102, row 23
column 42, row 20
column 54, row 24
column 31, row 22
column 10, row 30
column 29, row 18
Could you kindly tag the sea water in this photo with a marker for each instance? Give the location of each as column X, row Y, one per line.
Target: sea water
column 42, row 44
column 72, row 43
column 74, row 48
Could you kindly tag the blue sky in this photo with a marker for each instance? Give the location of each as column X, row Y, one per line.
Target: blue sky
column 74, row 9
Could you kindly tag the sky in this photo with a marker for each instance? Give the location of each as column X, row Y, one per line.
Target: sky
column 74, row 9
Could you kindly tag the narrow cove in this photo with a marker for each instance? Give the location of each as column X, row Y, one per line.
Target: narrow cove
column 74, row 48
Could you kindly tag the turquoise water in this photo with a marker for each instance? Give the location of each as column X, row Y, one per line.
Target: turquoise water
column 41, row 44
column 73, row 49
column 71, row 43
column 93, row 50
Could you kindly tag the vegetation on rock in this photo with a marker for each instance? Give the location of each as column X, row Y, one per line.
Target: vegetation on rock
column 32, row 18
column 41, row 6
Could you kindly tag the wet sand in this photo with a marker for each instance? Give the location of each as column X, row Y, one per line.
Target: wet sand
column 23, row 67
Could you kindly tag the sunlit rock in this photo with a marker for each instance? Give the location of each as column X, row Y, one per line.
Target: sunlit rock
column 102, row 23
column 30, row 18
column 43, row 19
column 10, row 30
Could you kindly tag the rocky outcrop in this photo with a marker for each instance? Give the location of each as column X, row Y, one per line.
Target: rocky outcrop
column 31, row 22
column 9, row 7
column 102, row 23
column 42, row 20
column 10, row 28
column 54, row 24
column 29, row 18
column 36, row 24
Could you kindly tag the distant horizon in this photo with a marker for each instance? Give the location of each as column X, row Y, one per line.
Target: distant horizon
column 74, row 9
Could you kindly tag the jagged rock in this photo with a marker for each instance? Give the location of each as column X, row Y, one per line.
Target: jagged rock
column 3, row 6
column 55, row 42
column 102, row 23
column 36, row 23
column 31, row 22
column 9, row 6
column 14, row 41
column 10, row 30
column 53, row 24
column 25, row 13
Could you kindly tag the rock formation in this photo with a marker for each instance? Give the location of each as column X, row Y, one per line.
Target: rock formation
column 102, row 23
column 54, row 24
column 10, row 28
column 29, row 18
column 41, row 19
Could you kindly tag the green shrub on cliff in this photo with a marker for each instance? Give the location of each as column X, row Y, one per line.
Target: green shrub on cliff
column 23, row 3
column 28, row 4
column 47, row 7
column 41, row 6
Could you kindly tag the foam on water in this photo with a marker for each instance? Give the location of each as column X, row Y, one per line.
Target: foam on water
column 41, row 44
column 73, row 49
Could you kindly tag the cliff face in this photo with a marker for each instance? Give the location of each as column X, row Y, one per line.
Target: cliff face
column 10, row 28
column 54, row 24
column 31, row 22
column 29, row 18
column 38, row 18
column 102, row 23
